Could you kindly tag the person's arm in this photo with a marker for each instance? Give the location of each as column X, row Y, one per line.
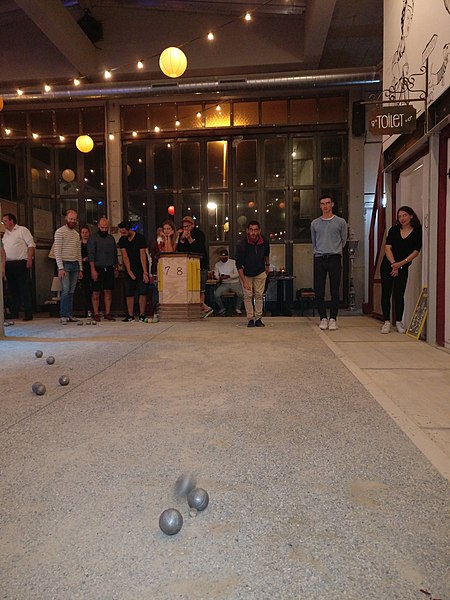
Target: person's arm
column 216, row 271
column 242, row 278
column 267, row 258
column 126, row 263
column 313, row 237
column 402, row 263
column 80, row 262
column 344, row 233
column 29, row 241
column 57, row 249
column 143, row 257
column 3, row 260
column 91, row 248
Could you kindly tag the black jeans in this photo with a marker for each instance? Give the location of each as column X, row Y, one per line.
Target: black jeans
column 394, row 286
column 329, row 264
column 19, row 284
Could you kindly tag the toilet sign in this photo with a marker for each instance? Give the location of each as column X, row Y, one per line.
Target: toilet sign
column 389, row 120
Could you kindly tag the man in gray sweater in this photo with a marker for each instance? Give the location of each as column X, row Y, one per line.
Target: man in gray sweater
column 67, row 248
column 102, row 256
column 329, row 236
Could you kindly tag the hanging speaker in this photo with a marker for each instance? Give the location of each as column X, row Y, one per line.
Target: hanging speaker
column 358, row 119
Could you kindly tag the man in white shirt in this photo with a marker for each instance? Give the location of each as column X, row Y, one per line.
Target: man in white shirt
column 19, row 248
column 226, row 272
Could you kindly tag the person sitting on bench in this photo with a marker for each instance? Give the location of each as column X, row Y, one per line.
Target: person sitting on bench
column 226, row 272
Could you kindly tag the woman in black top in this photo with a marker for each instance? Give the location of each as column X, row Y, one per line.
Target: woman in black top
column 403, row 244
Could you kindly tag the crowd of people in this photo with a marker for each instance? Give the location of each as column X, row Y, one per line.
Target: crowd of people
column 91, row 260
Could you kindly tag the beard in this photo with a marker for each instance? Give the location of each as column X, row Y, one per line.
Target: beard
column 71, row 225
column 103, row 234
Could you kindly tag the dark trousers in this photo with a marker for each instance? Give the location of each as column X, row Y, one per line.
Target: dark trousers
column 19, row 284
column 330, row 265
column 393, row 286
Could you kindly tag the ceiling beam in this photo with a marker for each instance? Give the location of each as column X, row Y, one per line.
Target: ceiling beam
column 317, row 23
column 63, row 31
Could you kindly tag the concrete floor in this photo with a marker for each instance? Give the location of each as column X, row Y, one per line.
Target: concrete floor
column 326, row 456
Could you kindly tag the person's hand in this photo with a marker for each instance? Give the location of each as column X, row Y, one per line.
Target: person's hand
column 80, row 275
column 224, row 277
column 266, row 269
column 146, row 278
column 394, row 272
column 116, row 272
column 245, row 285
column 94, row 274
column 29, row 263
column 85, row 259
column 132, row 275
column 61, row 273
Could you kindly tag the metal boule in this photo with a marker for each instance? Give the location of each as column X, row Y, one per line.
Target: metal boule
column 38, row 354
column 64, row 380
column 50, row 360
column 198, row 498
column 38, row 388
column 170, row 521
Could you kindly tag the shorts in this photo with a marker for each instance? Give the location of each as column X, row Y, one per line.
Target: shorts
column 203, row 279
column 133, row 285
column 105, row 280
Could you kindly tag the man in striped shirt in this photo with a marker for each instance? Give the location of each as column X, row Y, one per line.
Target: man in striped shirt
column 67, row 250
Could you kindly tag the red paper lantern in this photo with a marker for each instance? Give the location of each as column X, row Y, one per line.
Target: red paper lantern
column 251, row 204
column 281, row 205
column 171, row 210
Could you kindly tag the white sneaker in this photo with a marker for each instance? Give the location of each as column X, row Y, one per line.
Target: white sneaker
column 332, row 326
column 400, row 327
column 323, row 324
column 386, row 328
column 63, row 320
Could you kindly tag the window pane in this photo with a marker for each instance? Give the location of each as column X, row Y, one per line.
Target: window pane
column 136, row 171
column 340, row 205
column 41, row 122
column 187, row 115
column 274, row 112
column 304, row 111
column 68, row 175
column 137, row 212
column 274, row 163
column 93, row 120
column 245, row 113
column 246, row 210
column 215, row 117
column 17, row 122
column 94, row 170
column 162, row 161
column 41, row 171
column 190, row 205
column 190, row 165
column 163, row 117
column 302, row 162
column 134, row 118
column 163, row 203
column 66, row 204
column 217, row 164
column 43, row 218
column 95, row 209
column 218, row 216
column 67, row 121
column 246, row 163
column 331, row 160
column 303, row 212
column 276, row 215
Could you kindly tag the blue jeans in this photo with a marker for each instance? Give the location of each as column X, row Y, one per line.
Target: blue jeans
column 68, row 285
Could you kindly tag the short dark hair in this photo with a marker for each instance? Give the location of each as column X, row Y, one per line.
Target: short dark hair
column 124, row 225
column 253, row 223
column 323, row 196
column 11, row 217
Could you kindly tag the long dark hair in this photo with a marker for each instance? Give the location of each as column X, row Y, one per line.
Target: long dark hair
column 414, row 218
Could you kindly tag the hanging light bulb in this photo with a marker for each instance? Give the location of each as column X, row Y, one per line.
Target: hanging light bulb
column 19, row 92
column 210, row 36
column 134, row 133
column 61, row 138
column 111, row 136
column 157, row 129
column 199, row 115
column 76, row 82
column 47, row 88
column 177, row 123
column 140, row 64
column 35, row 136
column 248, row 16
column 107, row 74
column 7, row 131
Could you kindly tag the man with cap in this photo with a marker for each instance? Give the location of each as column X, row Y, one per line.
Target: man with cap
column 226, row 272
column 193, row 240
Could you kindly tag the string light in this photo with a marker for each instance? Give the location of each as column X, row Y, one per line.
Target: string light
column 8, row 131
column 248, row 16
column 47, row 88
column 35, row 136
column 76, row 82
column 134, row 133
column 177, row 123
column 140, row 64
column 210, row 36
column 111, row 136
column 61, row 138
column 157, row 129
column 107, row 74
column 19, row 92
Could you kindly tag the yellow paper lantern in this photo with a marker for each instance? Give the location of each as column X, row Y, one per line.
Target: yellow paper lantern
column 68, row 175
column 173, row 62
column 128, row 170
column 2, row 104
column 84, row 143
column 34, row 174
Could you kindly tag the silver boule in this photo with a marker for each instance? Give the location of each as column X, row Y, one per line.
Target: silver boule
column 198, row 498
column 64, row 380
column 38, row 354
column 170, row 521
column 38, row 388
column 184, row 484
column 50, row 360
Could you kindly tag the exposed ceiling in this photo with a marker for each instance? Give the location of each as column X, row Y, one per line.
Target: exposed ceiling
column 41, row 40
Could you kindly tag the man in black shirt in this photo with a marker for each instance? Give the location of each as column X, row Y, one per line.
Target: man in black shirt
column 252, row 262
column 193, row 240
column 133, row 247
column 102, row 255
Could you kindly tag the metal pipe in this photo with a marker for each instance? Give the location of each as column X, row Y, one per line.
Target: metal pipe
column 305, row 80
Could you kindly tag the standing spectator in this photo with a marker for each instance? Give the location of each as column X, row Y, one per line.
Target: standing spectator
column 252, row 262
column 19, row 249
column 67, row 249
column 134, row 255
column 102, row 254
column 86, row 282
column 329, row 236
column 403, row 244
column 226, row 272
column 193, row 240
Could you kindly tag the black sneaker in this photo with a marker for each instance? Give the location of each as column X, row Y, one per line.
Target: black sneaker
column 251, row 323
column 128, row 319
column 142, row 318
column 259, row 323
